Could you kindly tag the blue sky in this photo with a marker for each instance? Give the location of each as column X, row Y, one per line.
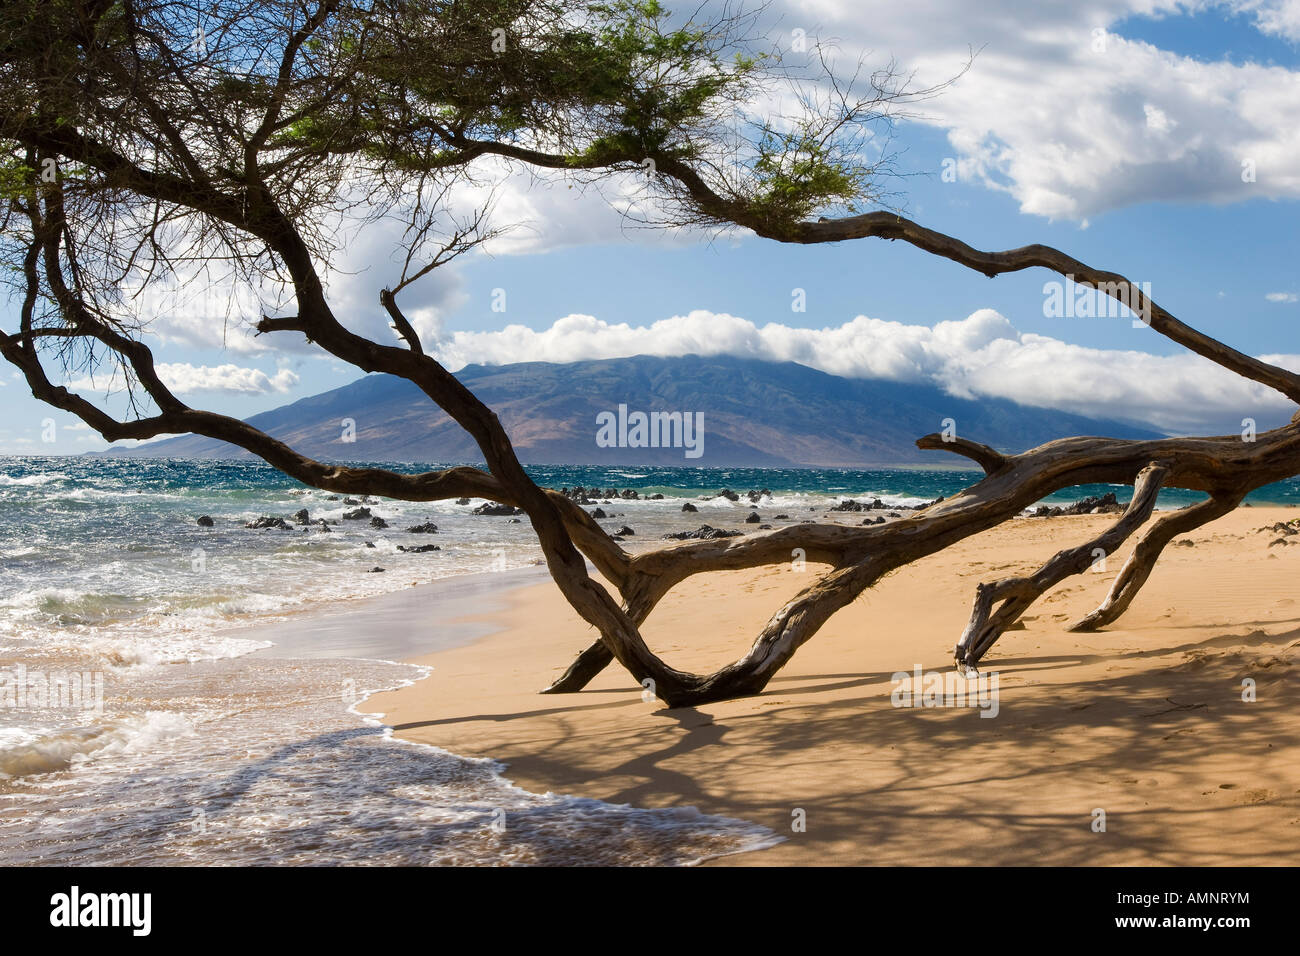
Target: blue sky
column 1113, row 130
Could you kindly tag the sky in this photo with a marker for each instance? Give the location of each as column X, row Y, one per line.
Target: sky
column 1157, row 139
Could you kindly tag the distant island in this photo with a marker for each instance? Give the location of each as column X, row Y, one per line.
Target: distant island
column 754, row 414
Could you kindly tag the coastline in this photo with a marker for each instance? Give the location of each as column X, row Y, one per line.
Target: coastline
column 1144, row 721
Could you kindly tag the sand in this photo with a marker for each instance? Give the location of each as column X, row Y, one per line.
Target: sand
column 1145, row 721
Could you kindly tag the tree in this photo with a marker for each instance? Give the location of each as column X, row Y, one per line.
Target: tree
column 147, row 139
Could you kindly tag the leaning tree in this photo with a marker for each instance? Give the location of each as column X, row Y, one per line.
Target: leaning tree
column 147, row 141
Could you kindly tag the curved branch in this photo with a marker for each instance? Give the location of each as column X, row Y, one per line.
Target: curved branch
column 987, row 458
column 1142, row 561
column 1017, row 594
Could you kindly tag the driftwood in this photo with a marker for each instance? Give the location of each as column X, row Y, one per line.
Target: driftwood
column 1225, row 468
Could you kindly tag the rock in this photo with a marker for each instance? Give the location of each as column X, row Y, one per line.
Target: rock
column 703, row 533
column 205, row 521
column 321, row 525
column 419, row 548
column 625, row 531
column 765, row 527
column 1277, row 541
column 728, row 494
column 370, row 544
column 356, row 514
column 513, row 521
column 689, row 507
column 427, row 528
column 494, row 510
column 331, row 497
column 351, row 501
column 375, row 571
column 753, row 518
column 378, row 522
column 1184, row 543
column 302, row 516
column 781, row 517
column 1092, row 505
column 656, row 497
column 893, row 514
column 599, row 513
column 462, row 501
column 267, row 522
column 849, row 504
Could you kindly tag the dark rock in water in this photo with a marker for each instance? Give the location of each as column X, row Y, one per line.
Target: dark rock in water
column 321, row 525
column 514, row 521
column 331, row 497
column 625, row 531
column 205, row 521
column 728, row 494
column 656, row 497
column 880, row 520
column 765, row 527
column 849, row 504
column 427, row 528
column 893, row 514
column 616, row 537
column 599, row 513
column 462, row 501
column 703, row 533
column 494, row 510
column 370, row 544
column 1092, row 505
column 302, row 516
column 267, row 522
column 378, row 522
column 374, row 571
column 351, row 501
column 753, row 518
column 419, row 548
column 781, row 517
column 689, row 507
column 356, row 514
column 755, row 496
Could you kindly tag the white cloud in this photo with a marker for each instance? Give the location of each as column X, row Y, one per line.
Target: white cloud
column 1282, row 297
column 184, row 378
column 1071, row 118
column 983, row 355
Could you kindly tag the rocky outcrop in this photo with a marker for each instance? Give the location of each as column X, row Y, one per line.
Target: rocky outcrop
column 703, row 533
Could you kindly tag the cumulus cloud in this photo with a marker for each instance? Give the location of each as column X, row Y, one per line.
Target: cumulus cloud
column 1282, row 297
column 983, row 355
column 1072, row 118
column 184, row 378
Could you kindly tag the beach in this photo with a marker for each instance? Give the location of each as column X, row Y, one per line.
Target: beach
column 1130, row 746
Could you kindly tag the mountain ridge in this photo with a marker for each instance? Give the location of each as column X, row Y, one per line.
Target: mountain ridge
column 755, row 414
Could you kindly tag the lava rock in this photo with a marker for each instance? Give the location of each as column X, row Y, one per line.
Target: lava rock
column 689, row 507
column 419, row 548
column 205, row 521
column 427, row 528
column 753, row 518
column 625, row 532
column 599, row 513
column 494, row 510
column 378, row 522
column 356, row 514
column 302, row 516
column 268, row 522
column 703, row 533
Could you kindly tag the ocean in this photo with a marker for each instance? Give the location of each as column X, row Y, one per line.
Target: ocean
column 147, row 715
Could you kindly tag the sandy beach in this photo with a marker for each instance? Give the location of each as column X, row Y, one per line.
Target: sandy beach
column 1145, row 721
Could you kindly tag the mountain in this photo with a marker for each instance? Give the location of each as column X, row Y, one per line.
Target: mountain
column 755, row 413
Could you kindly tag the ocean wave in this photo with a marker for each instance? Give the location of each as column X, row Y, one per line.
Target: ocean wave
column 25, row 752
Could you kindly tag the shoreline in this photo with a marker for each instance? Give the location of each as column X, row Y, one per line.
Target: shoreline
column 1143, row 720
